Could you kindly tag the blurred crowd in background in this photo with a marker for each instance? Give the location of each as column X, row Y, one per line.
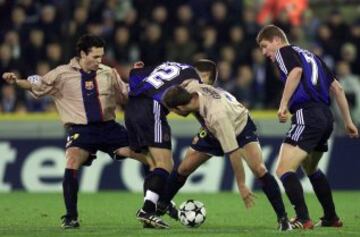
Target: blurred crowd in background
column 37, row 35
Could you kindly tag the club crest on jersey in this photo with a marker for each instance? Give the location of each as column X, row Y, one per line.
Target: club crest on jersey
column 89, row 85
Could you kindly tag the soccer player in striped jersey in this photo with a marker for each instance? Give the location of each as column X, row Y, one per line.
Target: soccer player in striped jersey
column 308, row 84
column 149, row 131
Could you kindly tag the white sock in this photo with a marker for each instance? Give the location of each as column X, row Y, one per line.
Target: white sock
column 151, row 196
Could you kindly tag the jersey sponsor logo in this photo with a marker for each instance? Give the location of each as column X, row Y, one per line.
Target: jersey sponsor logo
column 34, row 80
column 38, row 165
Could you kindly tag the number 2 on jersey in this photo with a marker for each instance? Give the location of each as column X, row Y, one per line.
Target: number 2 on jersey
column 164, row 72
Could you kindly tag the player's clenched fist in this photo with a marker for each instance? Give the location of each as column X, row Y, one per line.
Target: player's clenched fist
column 9, row 77
column 282, row 114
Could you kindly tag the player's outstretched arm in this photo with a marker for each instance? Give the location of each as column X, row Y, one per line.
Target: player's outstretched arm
column 291, row 84
column 238, row 168
column 343, row 105
column 11, row 78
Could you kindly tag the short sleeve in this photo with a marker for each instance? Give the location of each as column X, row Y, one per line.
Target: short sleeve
column 287, row 59
column 44, row 85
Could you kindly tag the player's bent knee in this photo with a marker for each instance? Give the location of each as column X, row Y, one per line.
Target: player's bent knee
column 75, row 157
column 184, row 171
column 124, row 152
column 259, row 170
column 281, row 170
column 309, row 170
column 72, row 162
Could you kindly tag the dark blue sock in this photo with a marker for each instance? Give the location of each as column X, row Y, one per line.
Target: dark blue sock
column 155, row 182
column 295, row 194
column 146, row 181
column 323, row 193
column 272, row 191
column 70, row 191
column 175, row 182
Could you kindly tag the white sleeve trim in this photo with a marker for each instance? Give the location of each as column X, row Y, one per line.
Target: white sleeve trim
column 280, row 60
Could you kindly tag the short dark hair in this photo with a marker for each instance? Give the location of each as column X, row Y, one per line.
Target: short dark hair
column 87, row 41
column 176, row 96
column 268, row 32
column 206, row 65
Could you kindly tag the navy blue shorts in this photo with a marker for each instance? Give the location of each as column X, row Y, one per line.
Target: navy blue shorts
column 311, row 127
column 207, row 143
column 145, row 120
column 104, row 136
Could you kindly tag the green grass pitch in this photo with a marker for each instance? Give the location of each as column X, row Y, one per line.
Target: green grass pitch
column 113, row 214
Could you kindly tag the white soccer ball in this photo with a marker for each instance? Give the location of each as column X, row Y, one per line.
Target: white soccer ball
column 192, row 213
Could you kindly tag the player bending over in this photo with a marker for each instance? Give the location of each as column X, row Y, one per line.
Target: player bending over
column 226, row 129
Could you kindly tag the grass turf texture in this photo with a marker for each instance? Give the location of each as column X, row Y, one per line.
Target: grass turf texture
column 113, row 214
